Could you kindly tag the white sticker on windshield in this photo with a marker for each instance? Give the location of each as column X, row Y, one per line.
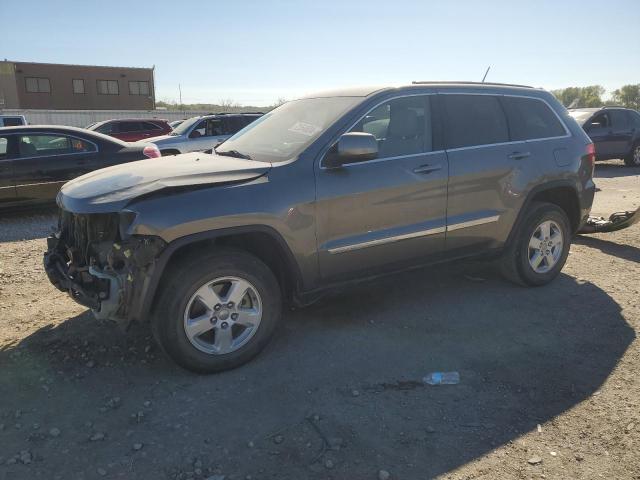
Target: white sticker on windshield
column 304, row 129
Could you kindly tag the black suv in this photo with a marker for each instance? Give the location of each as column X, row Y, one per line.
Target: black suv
column 615, row 131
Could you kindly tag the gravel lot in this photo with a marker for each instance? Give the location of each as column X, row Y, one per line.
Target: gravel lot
column 549, row 377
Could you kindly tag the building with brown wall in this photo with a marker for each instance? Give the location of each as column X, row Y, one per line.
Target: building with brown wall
column 26, row 85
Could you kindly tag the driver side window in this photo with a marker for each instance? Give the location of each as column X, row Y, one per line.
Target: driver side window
column 401, row 126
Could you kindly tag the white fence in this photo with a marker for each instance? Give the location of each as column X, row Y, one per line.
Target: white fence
column 82, row 118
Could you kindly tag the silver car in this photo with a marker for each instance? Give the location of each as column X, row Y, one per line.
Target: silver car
column 198, row 134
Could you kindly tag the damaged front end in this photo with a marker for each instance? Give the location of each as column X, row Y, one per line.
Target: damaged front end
column 616, row 221
column 98, row 265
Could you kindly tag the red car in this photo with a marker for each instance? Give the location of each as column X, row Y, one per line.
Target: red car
column 132, row 130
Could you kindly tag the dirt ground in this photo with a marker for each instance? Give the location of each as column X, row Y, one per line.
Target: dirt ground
column 549, row 384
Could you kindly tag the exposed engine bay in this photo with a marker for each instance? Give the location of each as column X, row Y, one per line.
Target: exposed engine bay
column 89, row 259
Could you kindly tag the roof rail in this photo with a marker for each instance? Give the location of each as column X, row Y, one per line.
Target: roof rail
column 429, row 82
column 233, row 113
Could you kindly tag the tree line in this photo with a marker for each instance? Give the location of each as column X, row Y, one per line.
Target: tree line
column 580, row 97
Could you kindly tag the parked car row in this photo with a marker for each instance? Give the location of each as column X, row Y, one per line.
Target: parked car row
column 35, row 161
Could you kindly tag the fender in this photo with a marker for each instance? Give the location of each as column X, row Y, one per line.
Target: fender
column 530, row 196
column 142, row 306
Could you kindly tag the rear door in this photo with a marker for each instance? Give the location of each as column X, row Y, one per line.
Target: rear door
column 387, row 212
column 622, row 132
column 46, row 161
column 482, row 165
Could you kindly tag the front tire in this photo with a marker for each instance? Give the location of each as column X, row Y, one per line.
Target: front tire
column 217, row 311
column 539, row 248
column 633, row 159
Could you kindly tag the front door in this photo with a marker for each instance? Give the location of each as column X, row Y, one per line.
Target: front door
column 389, row 211
column 599, row 129
column 206, row 134
column 47, row 161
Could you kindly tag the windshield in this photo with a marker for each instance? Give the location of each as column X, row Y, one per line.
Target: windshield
column 285, row 132
column 580, row 115
column 184, row 126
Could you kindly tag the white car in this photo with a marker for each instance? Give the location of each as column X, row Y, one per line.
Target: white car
column 12, row 120
column 198, row 134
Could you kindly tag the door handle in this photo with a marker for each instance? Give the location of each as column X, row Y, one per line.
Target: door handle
column 519, row 155
column 424, row 169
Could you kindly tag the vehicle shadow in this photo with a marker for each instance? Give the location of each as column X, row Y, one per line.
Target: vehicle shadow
column 340, row 382
column 613, row 170
column 626, row 252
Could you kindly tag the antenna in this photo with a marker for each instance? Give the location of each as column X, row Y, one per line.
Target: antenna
column 485, row 73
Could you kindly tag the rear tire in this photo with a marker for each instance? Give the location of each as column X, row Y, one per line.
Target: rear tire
column 201, row 293
column 633, row 159
column 540, row 246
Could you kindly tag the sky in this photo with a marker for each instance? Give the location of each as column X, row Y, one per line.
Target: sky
column 256, row 52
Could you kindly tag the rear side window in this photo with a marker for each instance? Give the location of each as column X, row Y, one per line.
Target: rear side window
column 150, row 126
column 233, row 125
column 530, row 119
column 12, row 121
column 473, row 120
column 130, row 127
column 619, row 120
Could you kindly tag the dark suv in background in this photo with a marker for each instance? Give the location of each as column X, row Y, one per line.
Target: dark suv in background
column 615, row 131
column 132, row 129
column 323, row 191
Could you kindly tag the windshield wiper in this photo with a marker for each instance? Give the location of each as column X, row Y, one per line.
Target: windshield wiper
column 232, row 153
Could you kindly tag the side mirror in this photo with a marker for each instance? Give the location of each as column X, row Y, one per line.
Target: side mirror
column 352, row 147
column 195, row 134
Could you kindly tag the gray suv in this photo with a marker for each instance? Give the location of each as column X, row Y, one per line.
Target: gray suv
column 319, row 192
column 198, row 134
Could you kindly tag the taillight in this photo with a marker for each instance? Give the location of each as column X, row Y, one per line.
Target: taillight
column 591, row 156
column 151, row 151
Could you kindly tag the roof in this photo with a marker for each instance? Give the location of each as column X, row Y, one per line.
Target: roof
column 365, row 91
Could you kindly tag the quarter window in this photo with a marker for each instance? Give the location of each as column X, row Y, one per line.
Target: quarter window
column 108, row 87
column 78, row 86
column 474, row 120
column 401, row 126
column 37, row 85
column 138, row 88
column 530, row 119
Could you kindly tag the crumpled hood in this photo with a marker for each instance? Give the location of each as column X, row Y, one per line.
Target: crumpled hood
column 110, row 189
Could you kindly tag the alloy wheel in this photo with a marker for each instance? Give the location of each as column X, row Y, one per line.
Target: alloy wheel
column 223, row 315
column 545, row 246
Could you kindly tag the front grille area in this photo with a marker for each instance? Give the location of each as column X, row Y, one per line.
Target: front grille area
column 81, row 233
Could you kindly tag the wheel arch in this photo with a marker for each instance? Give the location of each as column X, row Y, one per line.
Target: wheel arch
column 561, row 193
column 260, row 240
